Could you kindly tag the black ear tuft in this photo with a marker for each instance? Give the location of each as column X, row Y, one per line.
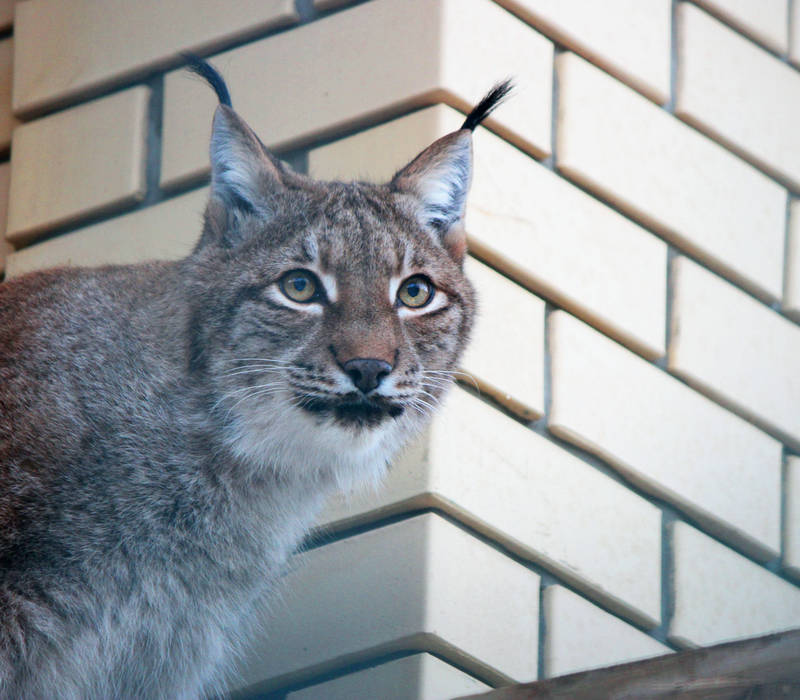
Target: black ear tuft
column 488, row 104
column 210, row 74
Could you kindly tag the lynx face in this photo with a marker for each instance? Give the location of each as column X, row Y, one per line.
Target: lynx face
column 362, row 318
column 346, row 324
column 346, row 308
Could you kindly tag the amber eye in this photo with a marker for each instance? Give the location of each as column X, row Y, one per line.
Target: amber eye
column 300, row 286
column 416, row 291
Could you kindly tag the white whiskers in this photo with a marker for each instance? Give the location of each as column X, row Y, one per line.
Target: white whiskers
column 448, row 374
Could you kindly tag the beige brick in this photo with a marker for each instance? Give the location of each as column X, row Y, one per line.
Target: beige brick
column 765, row 20
column 791, row 541
column 791, row 294
column 7, row 13
column 794, row 34
column 720, row 595
column 375, row 154
column 532, row 224
column 736, row 350
column 70, row 48
column 536, row 499
column 506, row 353
column 7, row 119
column 403, row 586
column 437, row 50
column 738, row 93
column 417, row 677
column 628, row 38
column 665, row 437
column 82, row 161
column 166, row 231
column 581, row 636
column 677, row 181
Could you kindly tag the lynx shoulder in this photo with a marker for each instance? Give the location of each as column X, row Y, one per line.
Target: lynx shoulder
column 169, row 431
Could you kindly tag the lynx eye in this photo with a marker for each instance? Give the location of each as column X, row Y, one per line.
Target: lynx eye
column 300, row 286
column 416, row 291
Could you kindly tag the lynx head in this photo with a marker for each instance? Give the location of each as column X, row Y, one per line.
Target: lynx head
column 329, row 317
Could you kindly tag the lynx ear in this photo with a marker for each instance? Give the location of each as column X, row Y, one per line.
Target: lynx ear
column 439, row 177
column 244, row 175
column 243, row 172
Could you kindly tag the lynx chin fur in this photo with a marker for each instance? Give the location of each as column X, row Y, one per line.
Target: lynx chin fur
column 169, row 431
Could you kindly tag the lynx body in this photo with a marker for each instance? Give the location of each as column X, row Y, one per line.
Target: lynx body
column 169, row 431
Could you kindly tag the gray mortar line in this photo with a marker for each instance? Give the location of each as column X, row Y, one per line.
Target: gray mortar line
column 155, row 111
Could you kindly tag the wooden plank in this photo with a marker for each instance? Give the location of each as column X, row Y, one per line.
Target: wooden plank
column 763, row 668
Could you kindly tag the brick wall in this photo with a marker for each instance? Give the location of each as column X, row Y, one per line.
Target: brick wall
column 621, row 478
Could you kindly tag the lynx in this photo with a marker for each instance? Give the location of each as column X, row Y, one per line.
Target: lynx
column 170, row 430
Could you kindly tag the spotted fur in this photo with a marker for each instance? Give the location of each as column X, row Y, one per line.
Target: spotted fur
column 170, row 430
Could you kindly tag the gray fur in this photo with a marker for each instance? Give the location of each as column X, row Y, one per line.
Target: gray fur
column 169, row 431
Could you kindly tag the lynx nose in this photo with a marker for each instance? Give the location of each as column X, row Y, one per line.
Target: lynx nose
column 367, row 373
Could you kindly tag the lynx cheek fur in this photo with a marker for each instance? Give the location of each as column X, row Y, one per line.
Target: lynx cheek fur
column 169, row 431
